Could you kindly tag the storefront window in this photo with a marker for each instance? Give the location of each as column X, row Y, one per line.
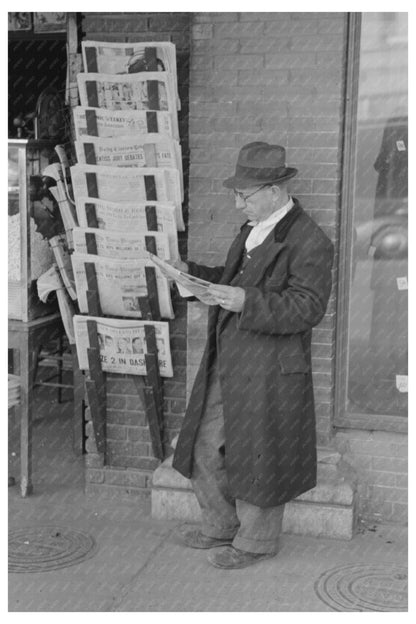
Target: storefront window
column 376, row 306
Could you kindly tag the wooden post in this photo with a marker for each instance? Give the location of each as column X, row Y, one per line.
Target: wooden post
column 96, row 389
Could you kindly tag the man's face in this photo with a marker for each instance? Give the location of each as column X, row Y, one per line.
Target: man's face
column 256, row 201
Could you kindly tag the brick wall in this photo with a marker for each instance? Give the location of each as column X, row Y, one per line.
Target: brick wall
column 276, row 77
column 380, row 459
column 253, row 76
column 130, row 458
column 279, row 77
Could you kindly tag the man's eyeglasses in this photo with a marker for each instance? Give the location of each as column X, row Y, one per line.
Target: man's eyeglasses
column 246, row 197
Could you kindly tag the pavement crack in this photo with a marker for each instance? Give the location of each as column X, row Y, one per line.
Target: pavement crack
column 128, row 587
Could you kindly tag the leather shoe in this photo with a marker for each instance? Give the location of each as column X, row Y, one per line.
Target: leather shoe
column 191, row 536
column 230, row 558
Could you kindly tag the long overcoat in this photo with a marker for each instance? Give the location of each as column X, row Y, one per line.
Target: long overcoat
column 264, row 359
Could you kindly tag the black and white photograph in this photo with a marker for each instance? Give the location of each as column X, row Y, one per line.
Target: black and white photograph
column 208, row 347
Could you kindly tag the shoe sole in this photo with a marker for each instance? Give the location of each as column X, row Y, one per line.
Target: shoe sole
column 208, row 546
column 243, row 564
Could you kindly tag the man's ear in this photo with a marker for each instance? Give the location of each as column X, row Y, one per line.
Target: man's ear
column 275, row 193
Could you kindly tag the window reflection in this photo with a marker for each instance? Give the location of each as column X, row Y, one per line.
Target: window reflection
column 377, row 329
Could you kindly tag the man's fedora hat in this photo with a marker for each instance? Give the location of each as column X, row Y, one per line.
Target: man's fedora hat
column 260, row 163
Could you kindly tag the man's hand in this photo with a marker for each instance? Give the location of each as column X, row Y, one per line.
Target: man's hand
column 228, row 297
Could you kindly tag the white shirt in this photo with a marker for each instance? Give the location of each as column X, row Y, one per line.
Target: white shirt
column 262, row 228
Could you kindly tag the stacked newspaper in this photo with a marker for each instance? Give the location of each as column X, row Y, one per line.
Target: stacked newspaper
column 128, row 180
column 139, row 150
column 121, row 284
column 145, row 91
column 127, row 245
column 129, row 217
column 127, row 184
column 103, row 123
column 123, row 345
column 130, row 58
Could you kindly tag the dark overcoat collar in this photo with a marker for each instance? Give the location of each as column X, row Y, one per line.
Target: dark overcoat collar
column 264, row 254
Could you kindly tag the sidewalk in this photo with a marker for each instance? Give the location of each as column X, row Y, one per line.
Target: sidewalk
column 138, row 564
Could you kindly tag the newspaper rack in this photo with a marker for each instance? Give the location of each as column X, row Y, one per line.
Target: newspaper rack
column 150, row 389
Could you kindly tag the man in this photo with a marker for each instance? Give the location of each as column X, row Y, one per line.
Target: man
column 248, row 439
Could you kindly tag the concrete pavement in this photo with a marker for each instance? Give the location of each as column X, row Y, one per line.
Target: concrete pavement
column 139, row 565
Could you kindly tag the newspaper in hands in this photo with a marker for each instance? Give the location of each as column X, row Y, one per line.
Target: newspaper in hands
column 122, row 345
column 188, row 285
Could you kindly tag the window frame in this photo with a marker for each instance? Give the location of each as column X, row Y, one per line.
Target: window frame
column 343, row 419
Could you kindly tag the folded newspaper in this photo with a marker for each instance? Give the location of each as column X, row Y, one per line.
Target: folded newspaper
column 60, row 250
column 129, row 58
column 128, row 245
column 143, row 91
column 128, row 184
column 144, row 150
column 61, row 194
column 123, row 345
column 188, row 285
column 121, row 283
column 51, row 281
column 104, row 123
column 130, row 217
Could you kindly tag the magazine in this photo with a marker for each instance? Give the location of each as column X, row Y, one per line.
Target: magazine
column 129, row 217
column 128, row 184
column 123, row 345
column 188, row 285
column 120, row 283
column 128, row 245
column 129, row 58
column 105, row 123
column 145, row 150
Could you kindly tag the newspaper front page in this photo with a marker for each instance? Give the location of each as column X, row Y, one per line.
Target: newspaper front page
column 128, row 184
column 146, row 150
column 122, row 345
column 128, row 92
column 108, row 123
column 112, row 244
column 120, row 283
column 130, row 217
column 129, row 58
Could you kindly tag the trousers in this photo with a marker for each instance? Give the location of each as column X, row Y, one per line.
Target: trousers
column 253, row 529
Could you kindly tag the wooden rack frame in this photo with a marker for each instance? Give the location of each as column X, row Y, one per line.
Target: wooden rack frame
column 150, row 388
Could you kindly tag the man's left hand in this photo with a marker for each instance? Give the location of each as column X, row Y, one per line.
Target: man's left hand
column 228, row 297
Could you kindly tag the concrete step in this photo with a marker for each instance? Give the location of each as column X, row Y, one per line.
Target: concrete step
column 326, row 511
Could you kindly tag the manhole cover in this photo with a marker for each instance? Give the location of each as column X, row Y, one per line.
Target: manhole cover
column 39, row 549
column 364, row 587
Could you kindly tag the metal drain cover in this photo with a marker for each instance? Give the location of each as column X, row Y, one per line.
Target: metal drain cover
column 364, row 587
column 40, row 549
